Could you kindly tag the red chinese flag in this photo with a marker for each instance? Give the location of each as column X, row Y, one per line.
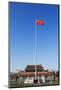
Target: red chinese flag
column 39, row 22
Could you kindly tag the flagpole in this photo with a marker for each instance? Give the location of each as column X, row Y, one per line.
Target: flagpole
column 35, row 54
column 38, row 22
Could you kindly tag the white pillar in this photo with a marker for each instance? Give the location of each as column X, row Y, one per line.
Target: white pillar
column 38, row 80
column 43, row 79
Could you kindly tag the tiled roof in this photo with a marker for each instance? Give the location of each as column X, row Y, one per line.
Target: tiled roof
column 34, row 65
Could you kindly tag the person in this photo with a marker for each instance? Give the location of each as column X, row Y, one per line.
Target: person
column 16, row 78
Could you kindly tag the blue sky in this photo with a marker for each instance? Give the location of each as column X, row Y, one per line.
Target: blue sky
column 22, row 35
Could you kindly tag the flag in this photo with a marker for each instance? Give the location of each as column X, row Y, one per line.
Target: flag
column 39, row 22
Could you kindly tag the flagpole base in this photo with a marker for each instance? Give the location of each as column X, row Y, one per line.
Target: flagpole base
column 35, row 81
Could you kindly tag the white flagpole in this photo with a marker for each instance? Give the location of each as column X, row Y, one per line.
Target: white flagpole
column 35, row 54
